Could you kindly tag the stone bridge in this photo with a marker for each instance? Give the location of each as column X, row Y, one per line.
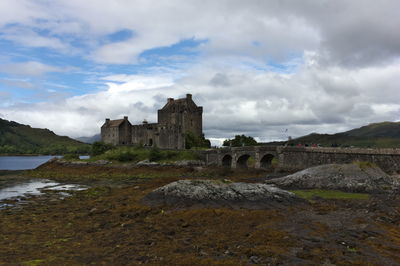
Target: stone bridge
column 297, row 158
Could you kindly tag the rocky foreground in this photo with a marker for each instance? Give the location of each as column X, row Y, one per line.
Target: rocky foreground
column 214, row 193
column 108, row 224
column 346, row 177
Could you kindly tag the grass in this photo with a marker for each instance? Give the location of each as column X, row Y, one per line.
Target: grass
column 136, row 154
column 365, row 164
column 329, row 194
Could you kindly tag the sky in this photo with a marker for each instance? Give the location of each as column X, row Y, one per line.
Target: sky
column 265, row 68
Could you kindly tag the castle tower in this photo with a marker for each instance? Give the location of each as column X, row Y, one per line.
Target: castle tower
column 182, row 113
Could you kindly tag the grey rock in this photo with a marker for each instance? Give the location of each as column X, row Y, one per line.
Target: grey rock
column 210, row 193
column 189, row 163
column 100, row 162
column 147, row 163
column 345, row 177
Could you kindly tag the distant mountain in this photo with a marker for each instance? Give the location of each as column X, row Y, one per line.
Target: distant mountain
column 380, row 130
column 90, row 140
column 16, row 138
column 377, row 135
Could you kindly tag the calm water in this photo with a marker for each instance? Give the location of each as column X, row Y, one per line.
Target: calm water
column 22, row 162
column 35, row 187
column 26, row 162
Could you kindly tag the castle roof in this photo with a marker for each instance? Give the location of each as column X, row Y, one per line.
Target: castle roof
column 187, row 103
column 114, row 123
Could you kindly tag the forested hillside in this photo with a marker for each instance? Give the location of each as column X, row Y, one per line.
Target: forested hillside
column 16, row 138
column 377, row 135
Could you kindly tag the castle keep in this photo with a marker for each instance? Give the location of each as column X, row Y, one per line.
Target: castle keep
column 175, row 119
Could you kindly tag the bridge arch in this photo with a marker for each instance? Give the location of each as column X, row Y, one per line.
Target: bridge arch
column 242, row 161
column 266, row 160
column 227, row 160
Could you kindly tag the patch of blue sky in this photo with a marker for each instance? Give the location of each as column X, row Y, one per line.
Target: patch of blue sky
column 183, row 52
column 287, row 66
column 121, row 35
column 161, row 60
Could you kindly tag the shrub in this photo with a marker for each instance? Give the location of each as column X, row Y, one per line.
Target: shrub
column 122, row 155
column 193, row 141
column 155, row 155
column 100, row 148
column 71, row 156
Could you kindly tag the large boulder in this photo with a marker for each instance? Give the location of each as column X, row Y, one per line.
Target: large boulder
column 212, row 193
column 354, row 177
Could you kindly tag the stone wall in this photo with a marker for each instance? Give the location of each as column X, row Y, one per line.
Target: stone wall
column 298, row 158
column 301, row 158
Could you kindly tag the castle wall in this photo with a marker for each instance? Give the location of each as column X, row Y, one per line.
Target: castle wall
column 193, row 122
column 144, row 134
column 125, row 133
column 110, row 135
column 170, row 138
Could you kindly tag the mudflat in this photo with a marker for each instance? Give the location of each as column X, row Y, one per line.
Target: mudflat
column 109, row 224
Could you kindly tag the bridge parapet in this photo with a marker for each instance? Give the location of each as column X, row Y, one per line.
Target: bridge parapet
column 297, row 158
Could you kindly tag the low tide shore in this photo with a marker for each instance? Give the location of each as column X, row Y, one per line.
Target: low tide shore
column 109, row 224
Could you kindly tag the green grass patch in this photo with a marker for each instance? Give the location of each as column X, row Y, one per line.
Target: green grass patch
column 365, row 164
column 329, row 194
column 34, row 262
column 136, row 154
column 71, row 156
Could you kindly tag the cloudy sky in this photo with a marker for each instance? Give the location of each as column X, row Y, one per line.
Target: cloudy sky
column 269, row 69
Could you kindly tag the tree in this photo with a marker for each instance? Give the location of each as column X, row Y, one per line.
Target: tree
column 193, row 141
column 239, row 141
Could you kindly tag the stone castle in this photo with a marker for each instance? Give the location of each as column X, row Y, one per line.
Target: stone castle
column 175, row 119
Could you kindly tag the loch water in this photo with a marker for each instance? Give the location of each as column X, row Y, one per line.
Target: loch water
column 23, row 162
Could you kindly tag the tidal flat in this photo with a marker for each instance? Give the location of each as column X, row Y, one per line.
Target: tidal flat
column 108, row 224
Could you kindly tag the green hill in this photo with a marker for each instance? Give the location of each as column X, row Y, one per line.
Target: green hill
column 377, row 135
column 16, row 138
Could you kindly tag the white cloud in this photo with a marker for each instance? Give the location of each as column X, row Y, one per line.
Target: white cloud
column 29, row 38
column 258, row 103
column 31, row 68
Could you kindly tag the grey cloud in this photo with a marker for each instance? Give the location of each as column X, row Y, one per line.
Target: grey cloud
column 348, row 33
column 220, row 80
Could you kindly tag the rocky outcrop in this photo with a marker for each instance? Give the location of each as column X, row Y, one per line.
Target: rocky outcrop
column 346, row 177
column 211, row 193
column 147, row 163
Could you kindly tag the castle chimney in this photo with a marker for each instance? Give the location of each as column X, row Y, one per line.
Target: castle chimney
column 189, row 96
column 125, row 118
column 107, row 120
column 170, row 100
